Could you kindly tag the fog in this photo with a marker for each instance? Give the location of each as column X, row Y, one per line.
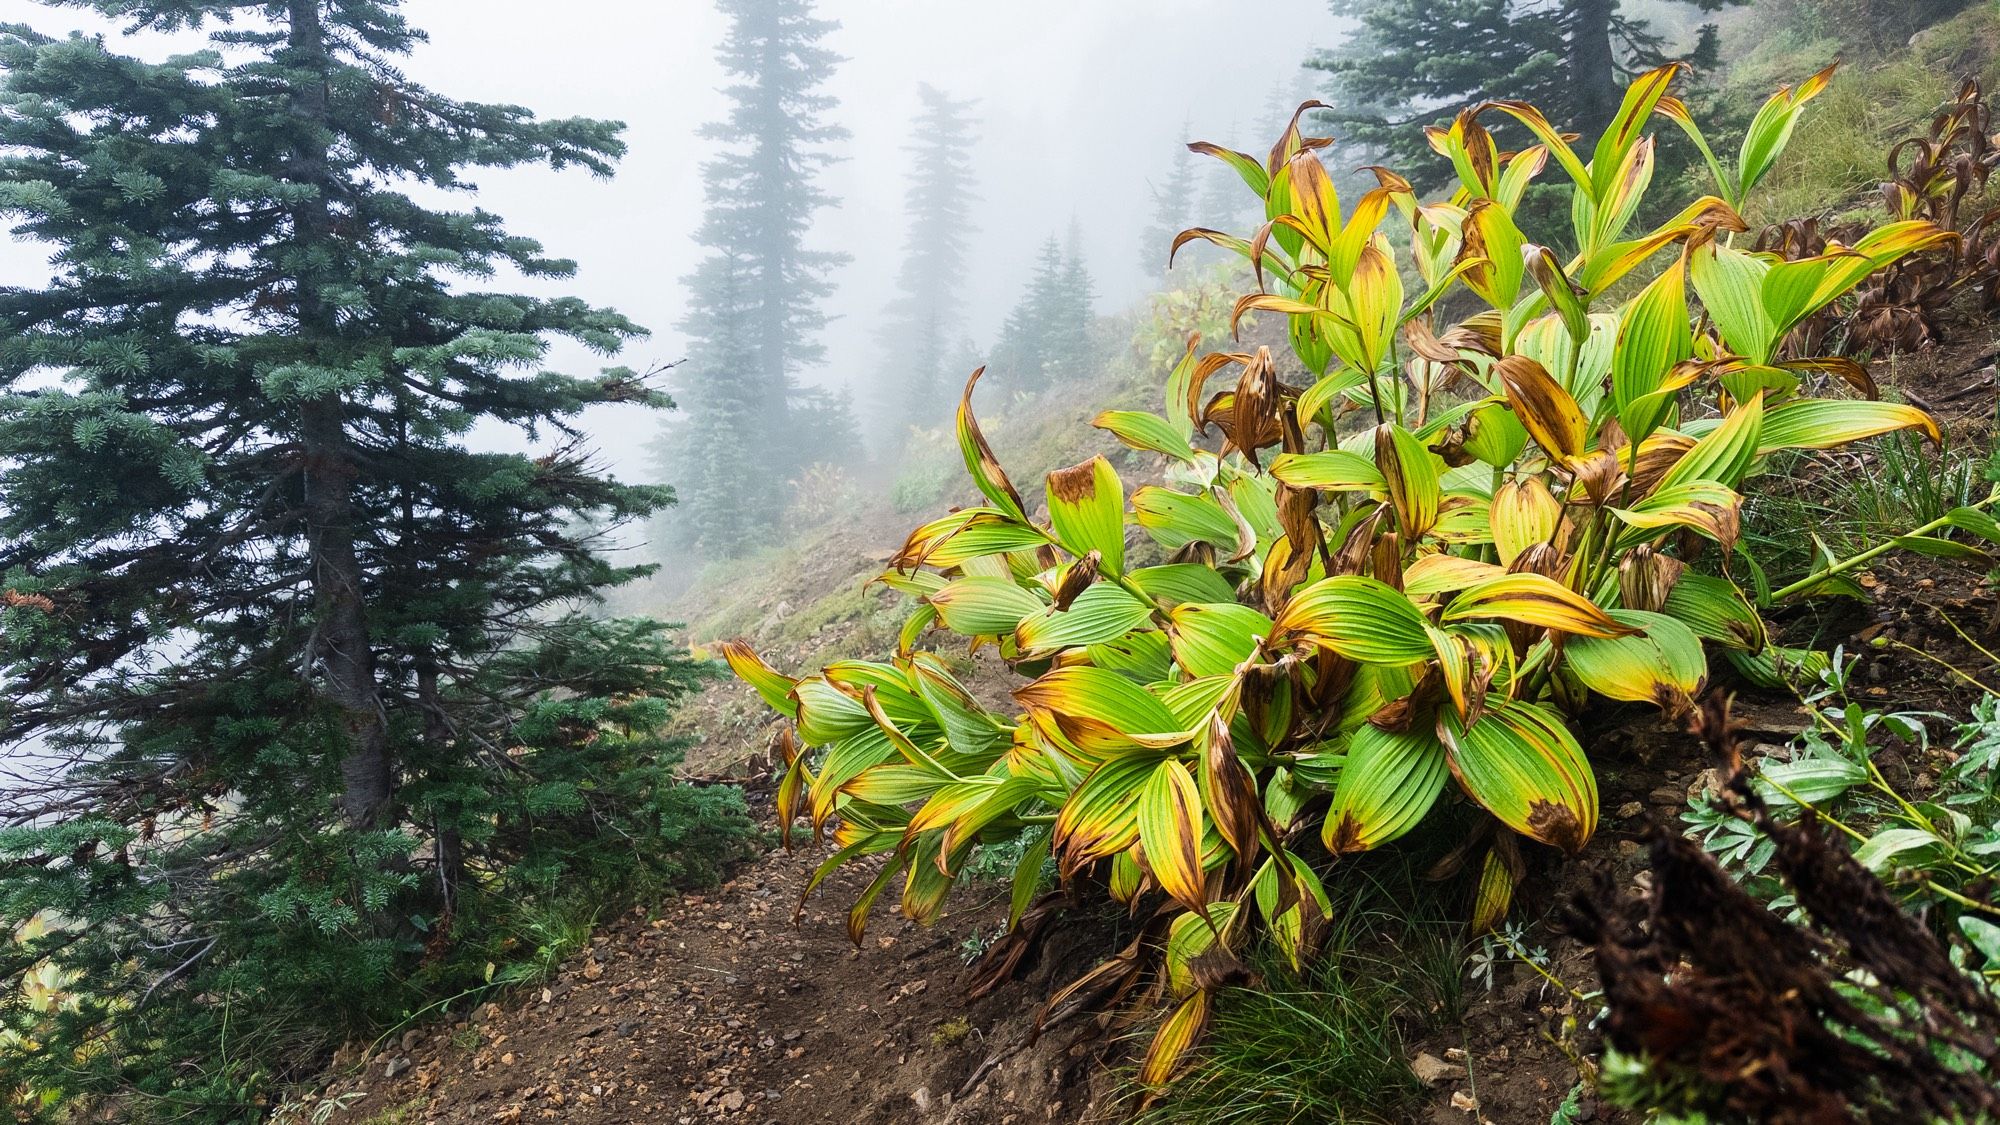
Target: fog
column 1080, row 106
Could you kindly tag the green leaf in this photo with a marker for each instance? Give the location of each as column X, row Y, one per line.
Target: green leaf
column 1359, row 618
column 1334, row 470
column 1822, row 423
column 1524, row 766
column 984, row 607
column 1087, row 507
column 1212, row 639
column 1175, row 583
column 1102, row 613
column 1813, row 780
column 1716, row 610
column 1885, row 850
column 1390, row 781
column 1141, row 430
column 1175, row 519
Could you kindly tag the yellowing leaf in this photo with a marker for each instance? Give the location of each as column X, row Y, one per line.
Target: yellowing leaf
column 1176, row 1037
column 774, row 687
column 1100, row 710
column 1523, row 513
column 1170, row 829
column 1524, row 766
column 1359, row 618
column 1663, row 664
column 980, row 461
column 1390, row 781
column 1533, row 599
column 1087, row 507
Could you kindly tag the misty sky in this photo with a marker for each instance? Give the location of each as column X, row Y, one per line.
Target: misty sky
column 1080, row 104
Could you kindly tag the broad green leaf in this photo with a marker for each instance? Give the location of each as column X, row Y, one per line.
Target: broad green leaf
column 1174, row 583
column 1390, row 781
column 1716, row 610
column 1662, row 665
column 1102, row 613
column 1212, row 639
column 1731, row 285
column 1654, row 335
column 1524, row 766
column 1087, row 507
column 1175, row 519
column 985, row 607
column 1812, row 780
column 1883, row 852
column 1822, row 423
column 1724, row 454
column 1141, row 430
column 1359, row 618
column 1334, row 470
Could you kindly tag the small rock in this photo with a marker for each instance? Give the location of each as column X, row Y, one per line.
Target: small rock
column 396, row 1066
column 507, row 1059
column 921, row 1098
column 592, row 970
column 731, row 1101
column 1630, row 809
column 1431, row 1070
column 1460, row 1100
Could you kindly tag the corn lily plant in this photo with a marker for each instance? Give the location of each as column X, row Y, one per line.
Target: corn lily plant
column 1409, row 557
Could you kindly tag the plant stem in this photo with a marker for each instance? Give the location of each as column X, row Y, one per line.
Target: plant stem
column 1872, row 553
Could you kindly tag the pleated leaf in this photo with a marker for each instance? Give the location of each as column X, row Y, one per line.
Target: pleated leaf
column 1389, row 783
column 1524, row 766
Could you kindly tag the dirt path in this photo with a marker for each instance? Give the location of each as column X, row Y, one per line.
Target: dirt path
column 722, row 1010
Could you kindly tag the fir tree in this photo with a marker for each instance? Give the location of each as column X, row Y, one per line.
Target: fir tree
column 1173, row 212
column 753, row 315
column 1046, row 339
column 291, row 658
column 927, row 315
column 1419, row 62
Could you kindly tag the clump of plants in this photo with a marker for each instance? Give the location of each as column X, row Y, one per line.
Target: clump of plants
column 1939, row 175
column 1396, row 560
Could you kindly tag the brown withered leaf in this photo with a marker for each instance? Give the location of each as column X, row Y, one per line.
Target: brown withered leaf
column 1646, row 577
column 1077, row 579
column 1231, row 795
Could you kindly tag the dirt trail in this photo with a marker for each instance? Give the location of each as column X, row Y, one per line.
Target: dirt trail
column 722, row 1010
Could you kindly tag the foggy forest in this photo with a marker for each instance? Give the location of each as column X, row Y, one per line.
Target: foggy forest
column 794, row 561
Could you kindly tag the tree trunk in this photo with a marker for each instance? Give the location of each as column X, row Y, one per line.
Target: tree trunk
column 448, row 850
column 341, row 649
column 1593, row 69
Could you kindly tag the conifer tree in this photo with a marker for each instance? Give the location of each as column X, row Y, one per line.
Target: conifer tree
column 1173, row 212
column 289, row 657
column 1419, row 62
column 1046, row 339
column 753, row 314
column 926, row 317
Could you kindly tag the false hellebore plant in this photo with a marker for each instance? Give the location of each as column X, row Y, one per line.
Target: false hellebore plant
column 1353, row 615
